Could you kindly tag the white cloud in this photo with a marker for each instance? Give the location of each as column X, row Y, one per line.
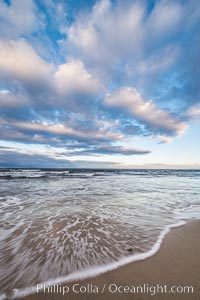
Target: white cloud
column 165, row 19
column 73, row 78
column 60, row 129
column 158, row 62
column 107, row 32
column 193, row 113
column 20, row 61
column 145, row 111
column 18, row 18
column 110, row 35
column 194, row 110
column 45, row 85
column 164, row 139
column 10, row 100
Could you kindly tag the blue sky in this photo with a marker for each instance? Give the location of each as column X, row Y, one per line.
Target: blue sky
column 99, row 83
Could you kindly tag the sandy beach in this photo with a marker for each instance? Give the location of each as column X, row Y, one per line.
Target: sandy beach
column 175, row 267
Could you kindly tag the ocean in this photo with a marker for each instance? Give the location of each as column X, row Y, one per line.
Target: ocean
column 63, row 224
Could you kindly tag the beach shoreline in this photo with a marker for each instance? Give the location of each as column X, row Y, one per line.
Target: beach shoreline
column 176, row 264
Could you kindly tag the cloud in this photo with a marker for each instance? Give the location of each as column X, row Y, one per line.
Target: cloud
column 112, row 150
column 18, row 18
column 57, row 132
column 163, row 139
column 12, row 101
column 43, row 156
column 193, row 113
column 157, row 63
column 45, row 85
column 139, row 33
column 93, row 36
column 18, row 60
column 14, row 159
column 73, row 81
column 72, row 78
column 145, row 111
column 194, row 110
column 155, row 49
column 165, row 19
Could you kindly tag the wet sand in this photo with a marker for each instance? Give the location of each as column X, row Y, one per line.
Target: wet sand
column 177, row 263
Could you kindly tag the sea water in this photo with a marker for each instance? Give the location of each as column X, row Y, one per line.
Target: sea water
column 60, row 225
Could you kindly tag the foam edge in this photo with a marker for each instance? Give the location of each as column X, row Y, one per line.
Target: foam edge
column 98, row 270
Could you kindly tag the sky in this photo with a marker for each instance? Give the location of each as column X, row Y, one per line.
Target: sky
column 104, row 83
